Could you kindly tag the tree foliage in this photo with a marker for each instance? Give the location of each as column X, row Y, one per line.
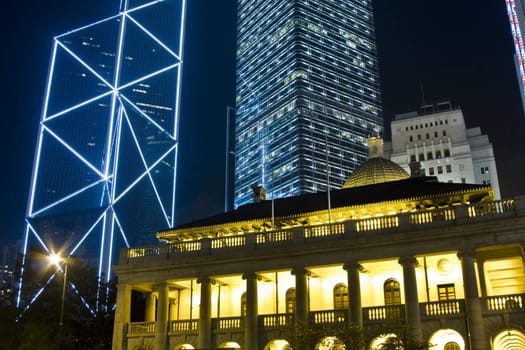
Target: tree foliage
column 88, row 309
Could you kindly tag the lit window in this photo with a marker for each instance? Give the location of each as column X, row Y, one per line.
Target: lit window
column 340, row 296
column 446, row 291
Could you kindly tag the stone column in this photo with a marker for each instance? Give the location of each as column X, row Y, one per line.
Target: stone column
column 173, row 309
column 161, row 325
column 122, row 316
column 301, row 295
column 355, row 311
column 251, row 333
column 150, row 307
column 413, row 318
column 481, row 273
column 205, row 313
column 475, row 329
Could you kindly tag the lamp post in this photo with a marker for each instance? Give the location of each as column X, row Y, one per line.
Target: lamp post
column 58, row 260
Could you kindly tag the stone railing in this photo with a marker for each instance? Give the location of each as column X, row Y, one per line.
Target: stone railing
column 141, row 328
column 229, row 323
column 442, row 308
column 382, row 313
column 379, row 223
column 504, row 303
column 342, row 230
column 374, row 314
column 183, row 326
column 328, row 316
column 323, row 230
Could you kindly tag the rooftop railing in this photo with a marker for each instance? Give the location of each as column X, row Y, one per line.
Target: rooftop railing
column 282, row 237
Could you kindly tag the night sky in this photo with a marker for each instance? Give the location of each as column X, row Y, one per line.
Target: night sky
column 457, row 50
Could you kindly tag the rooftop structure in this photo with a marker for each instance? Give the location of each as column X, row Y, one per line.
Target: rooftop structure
column 443, row 261
column 437, row 138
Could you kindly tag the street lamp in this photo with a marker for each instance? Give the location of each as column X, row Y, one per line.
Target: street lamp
column 58, row 261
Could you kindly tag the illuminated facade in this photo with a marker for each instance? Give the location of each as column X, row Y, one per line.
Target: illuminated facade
column 307, row 94
column 105, row 165
column 441, row 260
column 516, row 12
column 439, row 140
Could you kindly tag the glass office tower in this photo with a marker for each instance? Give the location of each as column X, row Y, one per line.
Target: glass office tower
column 516, row 12
column 105, row 164
column 307, row 94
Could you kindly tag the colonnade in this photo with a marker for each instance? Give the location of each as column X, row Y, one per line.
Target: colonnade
column 476, row 336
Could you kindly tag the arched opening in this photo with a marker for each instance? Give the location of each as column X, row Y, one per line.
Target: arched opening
column 183, row 347
column 278, row 344
column 511, row 339
column 340, row 296
column 392, row 292
column 229, row 345
column 379, row 342
column 446, row 339
column 330, row 343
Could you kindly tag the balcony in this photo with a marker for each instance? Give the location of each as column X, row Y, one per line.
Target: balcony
column 298, row 236
column 376, row 315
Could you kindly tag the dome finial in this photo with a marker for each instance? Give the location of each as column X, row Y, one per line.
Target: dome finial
column 375, row 146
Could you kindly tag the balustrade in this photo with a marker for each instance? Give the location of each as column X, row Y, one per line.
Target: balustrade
column 494, row 208
column 328, row 316
column 183, row 326
column 229, row 323
column 504, row 302
column 446, row 307
column 228, row 242
column 381, row 313
column 324, row 230
column 379, row 223
column 276, row 321
column 430, row 216
column 491, row 208
column 142, row 328
column 274, row 237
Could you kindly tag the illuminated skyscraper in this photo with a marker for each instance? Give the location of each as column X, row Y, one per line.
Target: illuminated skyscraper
column 105, row 164
column 516, row 12
column 307, row 94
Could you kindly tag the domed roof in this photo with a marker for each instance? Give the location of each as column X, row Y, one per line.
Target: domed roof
column 376, row 170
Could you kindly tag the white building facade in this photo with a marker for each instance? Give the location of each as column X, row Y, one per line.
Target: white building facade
column 438, row 138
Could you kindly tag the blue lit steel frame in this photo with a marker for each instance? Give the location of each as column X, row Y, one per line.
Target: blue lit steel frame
column 108, row 133
column 516, row 13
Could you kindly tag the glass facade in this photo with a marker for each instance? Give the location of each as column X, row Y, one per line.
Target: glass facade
column 307, row 94
column 516, row 12
column 105, row 164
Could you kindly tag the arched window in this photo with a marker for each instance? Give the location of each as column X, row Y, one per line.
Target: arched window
column 340, row 296
column 243, row 304
column 452, row 346
column 290, row 301
column 392, row 292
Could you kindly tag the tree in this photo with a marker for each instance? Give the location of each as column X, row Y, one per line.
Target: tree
column 88, row 307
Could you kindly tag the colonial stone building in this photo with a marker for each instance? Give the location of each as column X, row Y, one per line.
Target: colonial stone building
column 442, row 262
